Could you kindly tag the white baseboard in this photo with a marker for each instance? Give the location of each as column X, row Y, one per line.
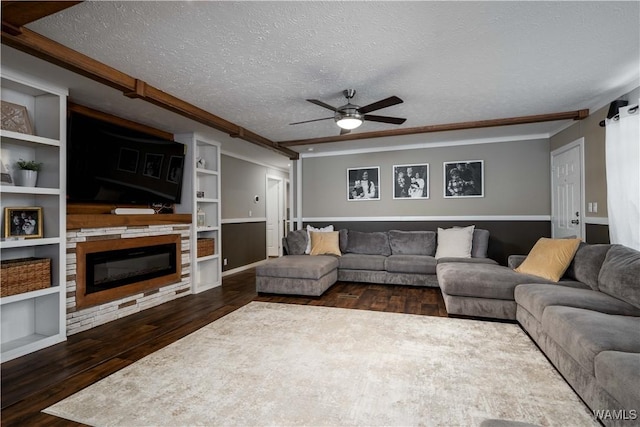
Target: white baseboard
column 243, row 268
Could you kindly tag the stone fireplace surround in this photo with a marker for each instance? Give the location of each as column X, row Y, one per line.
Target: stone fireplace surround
column 82, row 319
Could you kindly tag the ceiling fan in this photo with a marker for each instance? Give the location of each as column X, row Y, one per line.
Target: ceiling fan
column 350, row 116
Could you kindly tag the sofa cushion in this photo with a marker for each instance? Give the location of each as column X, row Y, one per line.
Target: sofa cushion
column 535, row 298
column 619, row 374
column 412, row 242
column 298, row 266
column 468, row 260
column 372, row 243
column 325, row 243
column 619, row 274
column 479, row 243
column 455, row 242
column 549, row 258
column 362, row 262
column 481, row 280
column 583, row 334
column 420, row 264
column 343, row 239
column 296, row 242
column 586, row 264
column 514, row 261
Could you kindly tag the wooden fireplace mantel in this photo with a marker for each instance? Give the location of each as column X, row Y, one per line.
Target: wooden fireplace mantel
column 98, row 215
column 75, row 221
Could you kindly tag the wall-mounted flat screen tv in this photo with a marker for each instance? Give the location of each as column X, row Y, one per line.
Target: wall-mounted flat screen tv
column 108, row 163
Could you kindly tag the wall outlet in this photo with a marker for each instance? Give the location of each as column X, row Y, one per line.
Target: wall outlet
column 224, row 262
column 250, row 213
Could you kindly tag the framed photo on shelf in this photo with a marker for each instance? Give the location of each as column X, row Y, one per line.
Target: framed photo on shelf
column 23, row 222
column 464, row 178
column 5, row 175
column 411, row 181
column 15, row 118
column 363, row 183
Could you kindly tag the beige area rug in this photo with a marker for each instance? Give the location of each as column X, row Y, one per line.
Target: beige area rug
column 278, row 364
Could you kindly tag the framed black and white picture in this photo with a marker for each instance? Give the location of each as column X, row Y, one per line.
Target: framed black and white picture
column 175, row 169
column 464, row 178
column 152, row 165
column 128, row 160
column 411, row 181
column 363, row 183
column 23, row 222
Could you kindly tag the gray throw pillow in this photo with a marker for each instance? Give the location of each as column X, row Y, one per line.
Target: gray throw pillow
column 296, row 242
column 480, row 243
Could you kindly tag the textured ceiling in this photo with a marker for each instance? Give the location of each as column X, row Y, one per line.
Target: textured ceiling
column 255, row 63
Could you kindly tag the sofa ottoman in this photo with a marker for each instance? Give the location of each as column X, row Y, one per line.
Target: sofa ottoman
column 297, row 275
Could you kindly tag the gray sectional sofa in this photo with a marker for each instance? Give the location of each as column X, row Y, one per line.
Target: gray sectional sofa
column 400, row 257
column 587, row 324
column 591, row 334
column 390, row 257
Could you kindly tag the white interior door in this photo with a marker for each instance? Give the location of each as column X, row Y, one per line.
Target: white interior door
column 274, row 218
column 567, row 191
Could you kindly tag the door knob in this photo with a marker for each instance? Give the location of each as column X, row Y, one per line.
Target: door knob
column 575, row 221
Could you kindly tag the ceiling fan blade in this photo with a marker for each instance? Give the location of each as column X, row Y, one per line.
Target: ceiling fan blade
column 384, row 119
column 322, row 104
column 392, row 100
column 309, row 121
column 345, row 131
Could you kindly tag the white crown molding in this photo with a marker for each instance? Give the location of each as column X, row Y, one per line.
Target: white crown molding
column 254, row 161
column 476, row 141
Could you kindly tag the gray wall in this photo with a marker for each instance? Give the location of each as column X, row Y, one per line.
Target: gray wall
column 244, row 240
column 517, row 182
column 594, row 153
column 241, row 181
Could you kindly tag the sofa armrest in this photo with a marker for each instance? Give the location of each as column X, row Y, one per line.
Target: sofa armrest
column 515, row 260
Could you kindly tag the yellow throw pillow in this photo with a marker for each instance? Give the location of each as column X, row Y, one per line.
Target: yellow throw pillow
column 325, row 243
column 549, row 258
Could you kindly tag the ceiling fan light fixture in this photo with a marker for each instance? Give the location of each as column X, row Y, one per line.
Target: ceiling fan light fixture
column 348, row 121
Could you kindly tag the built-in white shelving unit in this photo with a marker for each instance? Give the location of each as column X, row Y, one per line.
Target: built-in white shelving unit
column 33, row 320
column 202, row 174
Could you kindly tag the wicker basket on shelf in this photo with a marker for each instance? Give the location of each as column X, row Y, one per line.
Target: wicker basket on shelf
column 205, row 247
column 24, row 275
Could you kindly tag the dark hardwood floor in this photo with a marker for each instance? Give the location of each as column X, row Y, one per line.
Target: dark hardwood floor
column 36, row 381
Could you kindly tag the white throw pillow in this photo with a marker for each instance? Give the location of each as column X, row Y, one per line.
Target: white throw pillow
column 318, row 230
column 455, row 242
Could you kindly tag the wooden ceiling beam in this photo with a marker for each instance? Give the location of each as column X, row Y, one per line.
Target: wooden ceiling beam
column 110, row 118
column 16, row 14
column 37, row 45
column 567, row 115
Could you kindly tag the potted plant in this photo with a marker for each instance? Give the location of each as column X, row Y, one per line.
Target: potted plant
column 28, row 172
